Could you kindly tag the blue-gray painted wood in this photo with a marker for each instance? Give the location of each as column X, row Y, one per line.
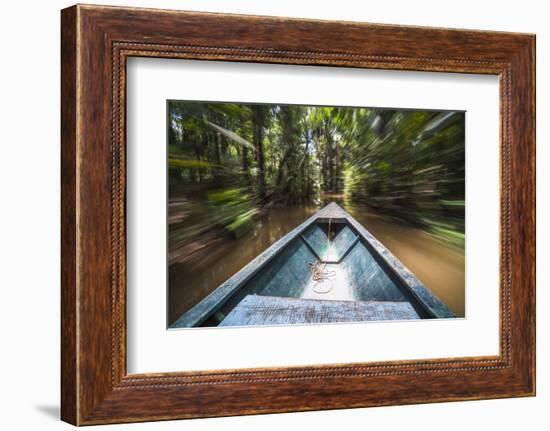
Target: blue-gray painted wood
column 366, row 268
column 317, row 239
column 268, row 310
column 315, row 236
column 435, row 307
column 370, row 281
column 343, row 241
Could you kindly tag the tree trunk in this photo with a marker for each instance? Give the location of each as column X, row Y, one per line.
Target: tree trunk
column 245, row 163
column 257, row 130
column 305, row 166
column 218, row 149
column 282, row 167
column 218, row 158
column 198, row 158
column 337, row 167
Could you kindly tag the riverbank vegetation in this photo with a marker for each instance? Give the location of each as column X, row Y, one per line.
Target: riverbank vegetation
column 229, row 162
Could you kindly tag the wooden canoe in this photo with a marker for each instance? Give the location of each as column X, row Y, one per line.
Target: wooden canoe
column 329, row 269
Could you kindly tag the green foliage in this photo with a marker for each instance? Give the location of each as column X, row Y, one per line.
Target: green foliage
column 233, row 209
column 410, row 165
column 235, row 158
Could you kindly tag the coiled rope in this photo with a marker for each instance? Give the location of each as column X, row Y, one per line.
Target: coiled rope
column 319, row 273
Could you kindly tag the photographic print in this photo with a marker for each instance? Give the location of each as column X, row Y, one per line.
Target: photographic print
column 296, row 214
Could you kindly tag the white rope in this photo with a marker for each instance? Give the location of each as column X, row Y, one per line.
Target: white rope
column 319, row 273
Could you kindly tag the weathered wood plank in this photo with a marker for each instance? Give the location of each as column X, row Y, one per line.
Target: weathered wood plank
column 273, row 310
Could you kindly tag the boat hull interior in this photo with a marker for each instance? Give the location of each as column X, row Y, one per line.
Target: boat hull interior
column 327, row 261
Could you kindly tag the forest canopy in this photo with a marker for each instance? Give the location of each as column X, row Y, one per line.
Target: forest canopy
column 229, row 161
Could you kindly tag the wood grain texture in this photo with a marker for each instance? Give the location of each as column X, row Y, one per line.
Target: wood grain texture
column 69, row 397
column 276, row 310
column 96, row 41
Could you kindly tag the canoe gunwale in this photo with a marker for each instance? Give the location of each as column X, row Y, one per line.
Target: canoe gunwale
column 433, row 306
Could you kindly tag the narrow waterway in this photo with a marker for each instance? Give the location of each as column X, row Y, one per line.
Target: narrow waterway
column 438, row 265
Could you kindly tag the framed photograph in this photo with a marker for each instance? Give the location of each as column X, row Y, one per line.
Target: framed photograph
column 319, row 214
column 225, row 216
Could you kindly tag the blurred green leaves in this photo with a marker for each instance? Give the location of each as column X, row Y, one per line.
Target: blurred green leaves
column 232, row 159
column 233, row 208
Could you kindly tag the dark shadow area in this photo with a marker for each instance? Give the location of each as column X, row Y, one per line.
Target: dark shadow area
column 52, row 411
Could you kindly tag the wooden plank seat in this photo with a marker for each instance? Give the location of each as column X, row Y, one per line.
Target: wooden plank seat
column 274, row 310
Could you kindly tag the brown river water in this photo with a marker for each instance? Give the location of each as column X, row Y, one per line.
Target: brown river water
column 438, row 265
